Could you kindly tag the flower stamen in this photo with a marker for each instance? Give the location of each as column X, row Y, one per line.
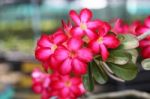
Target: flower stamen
column 83, row 26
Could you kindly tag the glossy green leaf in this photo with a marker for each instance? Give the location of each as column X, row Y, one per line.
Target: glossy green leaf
column 119, row 57
column 125, row 72
column 99, row 74
column 134, row 54
column 146, row 64
column 128, row 41
column 88, row 80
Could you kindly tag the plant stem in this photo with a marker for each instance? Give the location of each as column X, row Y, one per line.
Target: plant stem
column 144, row 35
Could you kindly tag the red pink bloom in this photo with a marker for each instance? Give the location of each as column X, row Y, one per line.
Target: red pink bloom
column 104, row 41
column 73, row 57
column 83, row 25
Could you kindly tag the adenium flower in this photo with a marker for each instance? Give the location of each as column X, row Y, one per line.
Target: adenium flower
column 83, row 25
column 68, row 87
column 73, row 57
column 41, row 82
column 120, row 27
column 145, row 43
column 104, row 41
column 47, row 45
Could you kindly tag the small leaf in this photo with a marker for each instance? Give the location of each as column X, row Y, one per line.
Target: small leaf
column 119, row 57
column 99, row 74
column 88, row 81
column 128, row 41
column 126, row 72
column 146, row 64
column 134, row 54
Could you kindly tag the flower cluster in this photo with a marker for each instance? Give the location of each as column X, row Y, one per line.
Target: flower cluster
column 136, row 28
column 67, row 53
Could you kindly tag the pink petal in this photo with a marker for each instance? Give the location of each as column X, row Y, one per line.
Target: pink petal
column 74, row 16
column 141, row 29
column 104, row 52
column 144, row 43
column 65, row 92
column 76, row 80
column 56, row 85
column 111, row 41
column 66, row 67
column 94, row 24
column 91, row 34
column 79, row 67
column 103, row 30
column 59, row 37
column 61, row 54
column 74, row 43
column 147, row 21
column 145, row 52
column 77, row 32
column 43, row 53
column 85, row 54
column 75, row 90
column 37, row 88
column 85, row 15
column 94, row 46
column 53, row 63
column 44, row 41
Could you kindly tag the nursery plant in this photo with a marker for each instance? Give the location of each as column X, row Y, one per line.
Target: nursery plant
column 84, row 50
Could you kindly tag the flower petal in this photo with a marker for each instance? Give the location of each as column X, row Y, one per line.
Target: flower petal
column 144, row 43
column 59, row 37
column 44, row 41
column 43, row 53
column 141, row 29
column 94, row 24
column 61, row 54
column 66, row 67
column 84, row 54
column 85, row 15
column 94, row 46
column 74, row 16
column 147, row 21
column 111, row 41
column 145, row 52
column 90, row 34
column 65, row 92
column 74, row 43
column 76, row 80
column 104, row 28
column 79, row 67
column 37, row 88
column 104, row 52
column 77, row 32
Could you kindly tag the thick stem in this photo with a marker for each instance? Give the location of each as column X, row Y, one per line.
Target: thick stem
column 144, row 35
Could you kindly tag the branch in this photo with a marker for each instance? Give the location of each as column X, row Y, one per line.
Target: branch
column 144, row 35
column 135, row 93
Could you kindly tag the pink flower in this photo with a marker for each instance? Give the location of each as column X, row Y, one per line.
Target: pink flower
column 47, row 45
column 41, row 82
column 104, row 41
column 67, row 28
column 68, row 87
column 73, row 57
column 145, row 43
column 120, row 27
column 83, row 23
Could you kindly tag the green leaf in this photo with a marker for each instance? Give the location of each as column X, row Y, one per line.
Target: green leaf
column 134, row 54
column 99, row 74
column 128, row 41
column 119, row 57
column 146, row 64
column 88, row 81
column 126, row 72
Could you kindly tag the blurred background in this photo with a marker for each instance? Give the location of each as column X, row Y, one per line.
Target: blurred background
column 23, row 21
